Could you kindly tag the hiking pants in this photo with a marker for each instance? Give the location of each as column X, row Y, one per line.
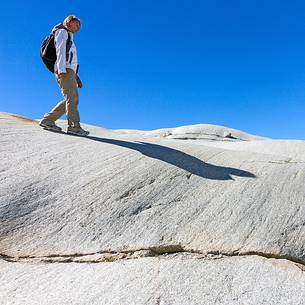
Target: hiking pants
column 69, row 104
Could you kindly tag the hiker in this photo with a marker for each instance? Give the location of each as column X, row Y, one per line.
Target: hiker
column 66, row 73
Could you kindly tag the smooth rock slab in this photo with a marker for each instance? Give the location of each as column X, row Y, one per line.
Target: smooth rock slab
column 66, row 195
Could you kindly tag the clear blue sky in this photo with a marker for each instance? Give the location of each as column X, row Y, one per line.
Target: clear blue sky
column 155, row 64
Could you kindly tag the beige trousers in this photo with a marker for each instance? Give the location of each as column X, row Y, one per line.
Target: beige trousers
column 69, row 104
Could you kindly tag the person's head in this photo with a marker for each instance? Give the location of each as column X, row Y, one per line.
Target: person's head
column 72, row 23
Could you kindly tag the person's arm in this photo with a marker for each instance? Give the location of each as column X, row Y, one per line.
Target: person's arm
column 61, row 37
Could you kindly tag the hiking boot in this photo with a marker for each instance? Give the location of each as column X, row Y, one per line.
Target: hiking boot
column 77, row 131
column 49, row 125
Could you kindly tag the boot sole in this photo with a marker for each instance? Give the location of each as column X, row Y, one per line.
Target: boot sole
column 46, row 127
column 77, row 134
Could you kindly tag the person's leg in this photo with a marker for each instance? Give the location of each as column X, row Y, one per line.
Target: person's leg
column 68, row 85
column 69, row 89
column 55, row 113
column 50, row 117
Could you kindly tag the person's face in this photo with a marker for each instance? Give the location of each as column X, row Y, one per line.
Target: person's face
column 74, row 26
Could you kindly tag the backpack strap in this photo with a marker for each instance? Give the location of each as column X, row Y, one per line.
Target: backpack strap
column 68, row 45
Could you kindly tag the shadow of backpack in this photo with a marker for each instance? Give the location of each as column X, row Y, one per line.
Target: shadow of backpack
column 48, row 50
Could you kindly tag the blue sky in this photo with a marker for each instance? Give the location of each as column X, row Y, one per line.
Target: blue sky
column 154, row 64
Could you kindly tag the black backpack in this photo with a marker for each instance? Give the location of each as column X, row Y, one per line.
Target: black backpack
column 48, row 50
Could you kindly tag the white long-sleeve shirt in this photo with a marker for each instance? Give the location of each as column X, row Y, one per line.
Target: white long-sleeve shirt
column 62, row 63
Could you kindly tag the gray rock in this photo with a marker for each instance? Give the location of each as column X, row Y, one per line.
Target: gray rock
column 120, row 195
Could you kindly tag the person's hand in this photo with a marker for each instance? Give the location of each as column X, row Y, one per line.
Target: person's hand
column 60, row 75
column 79, row 82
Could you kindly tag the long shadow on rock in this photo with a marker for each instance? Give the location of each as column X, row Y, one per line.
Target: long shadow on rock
column 180, row 159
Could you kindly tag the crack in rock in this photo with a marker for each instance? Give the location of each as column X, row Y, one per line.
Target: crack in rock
column 157, row 251
column 280, row 162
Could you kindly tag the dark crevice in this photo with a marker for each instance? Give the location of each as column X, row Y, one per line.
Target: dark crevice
column 111, row 256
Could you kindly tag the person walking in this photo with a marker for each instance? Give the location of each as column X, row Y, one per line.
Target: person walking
column 66, row 73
